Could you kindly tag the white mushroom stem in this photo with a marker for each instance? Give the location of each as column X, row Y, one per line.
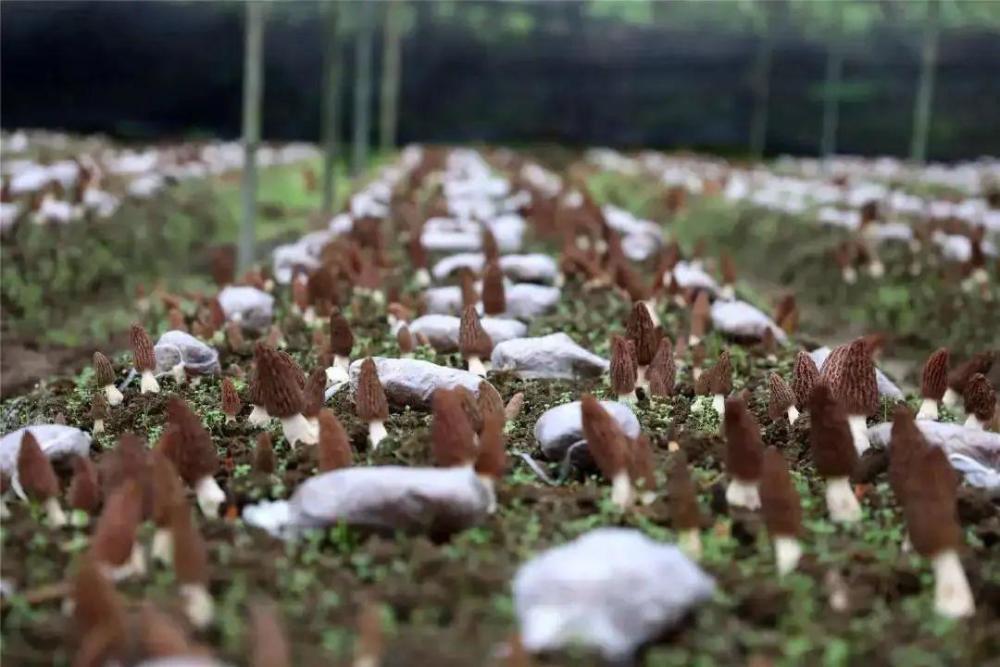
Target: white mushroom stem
column 793, row 414
column 972, row 421
column 859, row 433
column 177, row 370
column 640, row 378
column 198, row 605
column 134, row 566
column 258, row 416
column 4, row 511
column 162, row 549
column 647, row 497
column 719, row 404
column 952, row 595
column 696, row 373
column 336, row 375
column 693, row 340
column 740, row 493
column 850, row 275
column 622, row 494
column 841, row 501
column 230, row 419
column 98, row 426
column 148, row 383
column 376, row 432
column 491, row 489
column 113, row 395
column 689, row 542
column 787, row 551
column 297, row 429
column 54, row 513
column 342, row 362
column 423, row 277
column 476, row 366
column 309, row 316
column 210, row 496
column 628, row 398
column 876, row 269
column 951, row 398
column 928, row 409
column 727, row 293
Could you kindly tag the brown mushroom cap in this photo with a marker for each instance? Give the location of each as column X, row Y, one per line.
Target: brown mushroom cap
column 315, row 392
column 370, row 401
column 640, row 330
column 468, row 284
column 804, row 377
column 143, row 356
column 850, row 372
column 114, row 534
column 980, row 398
column 906, row 442
column 744, row 447
column 721, row 376
column 405, row 340
column 334, row 448
column 778, row 498
column 830, row 440
column 168, row 489
column 491, row 251
column 641, row 468
column 490, row 402
column 934, row 380
column 190, row 555
column 780, row 397
column 494, row 292
column 34, row 470
column 187, row 444
column 607, row 443
column 492, row 458
column 84, row 489
column 230, row 398
column 623, row 366
column 104, row 372
column 130, row 459
column 929, row 509
column 960, row 376
column 98, row 609
column 662, row 371
column 99, row 408
column 279, row 382
column 341, row 336
column 682, row 495
column 452, row 436
column 701, row 312
column 473, row 341
column 263, row 454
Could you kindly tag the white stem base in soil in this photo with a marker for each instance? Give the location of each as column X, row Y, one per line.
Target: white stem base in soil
column 491, row 488
column 198, row 605
column 689, row 542
column 793, row 414
column 651, row 309
column 928, row 409
column 727, row 293
column 859, row 433
column 113, row 395
column 135, row 566
column 640, row 378
column 647, row 497
column 972, row 421
column 876, row 269
column 258, row 416
column 297, row 429
column 695, row 373
column 177, row 370
column 98, row 426
column 629, row 398
column 195, row 381
column 209, row 495
column 743, row 494
column 4, row 510
column 336, row 375
column 622, row 494
column 906, row 546
column 951, row 398
column 719, row 404
column 309, row 317
column 952, row 595
column 476, row 366
column 54, row 515
column 693, row 340
column 841, row 502
column 850, row 275
column 423, row 277
column 230, row 419
column 787, row 551
column 148, row 383
column 376, row 433
column 162, row 548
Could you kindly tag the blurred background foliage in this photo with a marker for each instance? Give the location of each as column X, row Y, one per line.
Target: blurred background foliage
column 729, row 76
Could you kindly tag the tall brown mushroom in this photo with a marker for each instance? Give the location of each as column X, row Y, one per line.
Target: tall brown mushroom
column 144, row 359
column 281, row 385
column 230, row 400
column 685, row 515
column 850, row 374
column 473, row 342
column 38, row 480
column 782, row 510
column 609, row 448
column 639, row 328
column 191, row 566
column 84, row 489
column 334, row 449
column 623, row 369
column 933, row 384
column 494, row 292
column 104, row 373
column 744, row 454
column 781, row 400
column 190, row 448
column 833, row 453
column 341, row 343
column 370, row 403
column 662, row 372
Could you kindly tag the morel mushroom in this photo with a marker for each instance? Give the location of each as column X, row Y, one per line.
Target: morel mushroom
column 84, row 488
column 494, row 292
column 263, row 454
column 341, row 343
column 113, row 544
column 514, row 407
column 623, row 369
column 230, row 400
column 804, row 376
column 38, row 480
column 99, row 412
column 609, row 448
column 701, row 312
column 662, row 371
column 960, row 376
column 99, row 616
column 334, row 449
column 191, row 567
column 168, row 491
column 721, row 382
column 782, row 510
column 473, row 342
column 781, row 400
column 189, row 447
column 404, row 339
column 639, row 328
column 935, row 532
column 371, row 404
column 258, row 415
column 833, row 453
column 269, row 641
column 685, row 515
column 744, row 454
column 933, row 384
column 315, row 397
column 105, row 374
column 492, row 459
column 453, row 437
column 850, row 374
column 281, row 385
column 905, row 444
column 980, row 402
column 144, row 359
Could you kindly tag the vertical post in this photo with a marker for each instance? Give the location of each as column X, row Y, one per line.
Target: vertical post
column 391, row 66
column 831, row 99
column 253, row 88
column 331, row 106
column 362, row 86
column 925, row 88
column 761, row 93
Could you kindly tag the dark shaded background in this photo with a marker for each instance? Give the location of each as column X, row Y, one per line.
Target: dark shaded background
column 151, row 71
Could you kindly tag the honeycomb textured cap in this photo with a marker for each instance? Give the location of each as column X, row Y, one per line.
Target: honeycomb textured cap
column 189, row 445
column 142, row 349
column 682, row 495
column 341, row 336
column 662, row 371
column 115, row 532
column 980, row 398
column 34, row 470
column 104, row 372
column 607, row 443
column 779, row 500
column 452, row 436
column 623, row 366
column 371, row 403
column 804, row 377
column 830, row 440
column 744, row 447
column 640, row 330
column 906, row 442
column 280, row 382
column 960, row 376
column 721, row 376
column 934, row 379
column 780, row 397
column 473, row 341
column 84, row 489
column 929, row 507
column 334, row 449
column 494, row 292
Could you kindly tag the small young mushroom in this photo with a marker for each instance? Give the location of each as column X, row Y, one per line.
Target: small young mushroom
column 341, row 343
column 804, row 376
column 685, row 515
column 190, row 560
column 833, row 453
column 933, row 384
column 453, row 436
column 38, row 480
column 781, row 400
column 473, row 342
column 370, row 403
column 269, row 642
column 130, row 459
column 491, row 461
column 467, row 281
column 231, row 404
column 84, row 488
column 514, row 407
column 490, row 402
column 623, row 369
column 168, row 491
column 721, row 382
column 494, row 292
column 662, row 371
column 113, row 544
column 980, row 402
column 934, row 530
column 144, row 359
column 404, row 339
column 609, row 448
column 960, row 376
column 333, row 451
column 263, row 453
column 189, row 446
column 782, row 510
column 105, row 375
column 491, row 251
column 744, row 454
column 100, row 412
column 727, row 268
column 282, row 384
column 234, row 336
column 639, row 329
column 315, row 397
column 850, row 374
column 642, row 469
column 701, row 311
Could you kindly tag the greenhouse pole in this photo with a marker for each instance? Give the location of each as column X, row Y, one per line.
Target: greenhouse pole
column 390, row 76
column 761, row 92
column 331, row 106
column 253, row 88
column 925, row 88
column 831, row 96
column 362, row 87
